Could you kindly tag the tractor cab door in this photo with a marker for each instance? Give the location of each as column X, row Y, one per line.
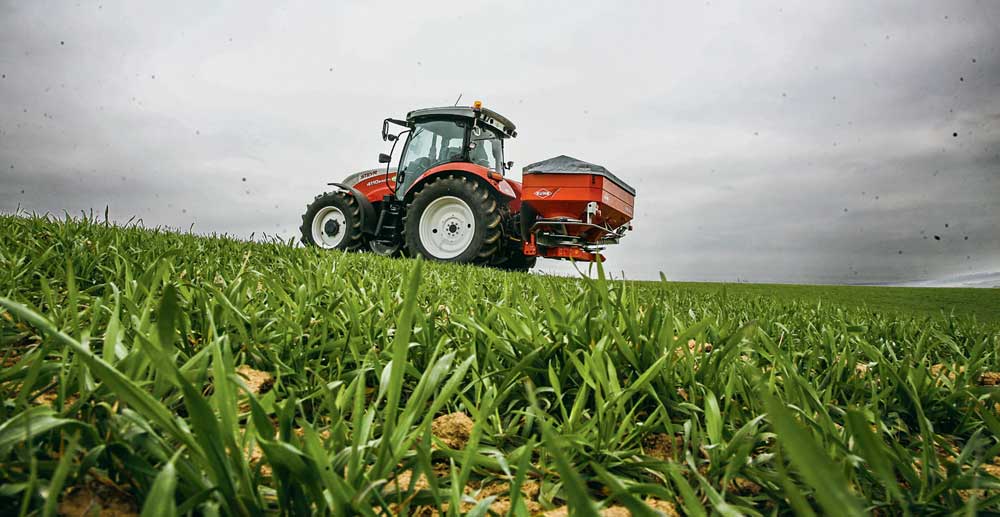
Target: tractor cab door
column 486, row 148
column 431, row 143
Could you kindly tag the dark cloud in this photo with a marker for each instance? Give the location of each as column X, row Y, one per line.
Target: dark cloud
column 773, row 143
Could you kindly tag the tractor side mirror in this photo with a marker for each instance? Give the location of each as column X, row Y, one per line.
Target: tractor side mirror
column 384, row 158
column 509, row 164
column 385, row 128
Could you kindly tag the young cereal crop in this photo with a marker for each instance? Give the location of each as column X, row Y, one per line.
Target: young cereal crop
column 156, row 372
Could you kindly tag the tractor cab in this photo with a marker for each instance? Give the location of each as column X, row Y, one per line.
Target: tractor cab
column 437, row 136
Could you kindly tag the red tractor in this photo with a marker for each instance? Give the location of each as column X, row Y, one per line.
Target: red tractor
column 448, row 199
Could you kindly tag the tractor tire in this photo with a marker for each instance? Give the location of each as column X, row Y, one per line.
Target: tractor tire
column 333, row 221
column 453, row 219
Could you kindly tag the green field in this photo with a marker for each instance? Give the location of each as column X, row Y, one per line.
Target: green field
column 933, row 302
column 176, row 374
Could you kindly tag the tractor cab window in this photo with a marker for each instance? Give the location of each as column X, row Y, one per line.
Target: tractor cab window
column 431, row 143
column 488, row 150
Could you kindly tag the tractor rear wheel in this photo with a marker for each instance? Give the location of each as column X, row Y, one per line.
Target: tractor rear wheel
column 333, row 221
column 453, row 219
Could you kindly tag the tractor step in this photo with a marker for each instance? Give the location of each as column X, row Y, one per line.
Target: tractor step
column 390, row 221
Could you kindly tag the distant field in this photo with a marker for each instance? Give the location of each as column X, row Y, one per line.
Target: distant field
column 177, row 374
column 935, row 302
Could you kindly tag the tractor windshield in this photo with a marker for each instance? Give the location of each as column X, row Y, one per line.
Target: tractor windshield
column 432, row 143
column 488, row 150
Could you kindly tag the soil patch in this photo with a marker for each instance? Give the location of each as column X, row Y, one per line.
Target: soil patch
column 502, row 504
column 986, row 379
column 259, row 382
column 98, row 499
column 989, row 379
column 453, row 429
column 662, row 446
column 658, row 505
column 694, row 347
column 744, row 486
column 49, row 399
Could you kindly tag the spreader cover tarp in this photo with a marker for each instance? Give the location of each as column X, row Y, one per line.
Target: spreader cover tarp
column 568, row 165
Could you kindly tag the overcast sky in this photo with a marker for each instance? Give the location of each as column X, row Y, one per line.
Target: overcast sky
column 833, row 142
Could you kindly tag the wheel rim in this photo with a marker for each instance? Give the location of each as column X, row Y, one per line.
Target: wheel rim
column 447, row 227
column 329, row 226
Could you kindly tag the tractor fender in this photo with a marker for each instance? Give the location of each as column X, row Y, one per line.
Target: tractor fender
column 368, row 219
column 471, row 171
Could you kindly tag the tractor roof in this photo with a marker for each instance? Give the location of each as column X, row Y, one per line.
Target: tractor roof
column 488, row 116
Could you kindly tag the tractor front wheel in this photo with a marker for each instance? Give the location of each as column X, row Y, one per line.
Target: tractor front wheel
column 333, row 221
column 453, row 219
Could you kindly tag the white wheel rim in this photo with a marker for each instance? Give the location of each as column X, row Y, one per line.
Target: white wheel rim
column 326, row 215
column 447, row 227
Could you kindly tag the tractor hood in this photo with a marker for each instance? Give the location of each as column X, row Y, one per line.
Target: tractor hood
column 358, row 177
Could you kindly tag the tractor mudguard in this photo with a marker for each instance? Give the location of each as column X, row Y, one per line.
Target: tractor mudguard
column 368, row 219
column 496, row 183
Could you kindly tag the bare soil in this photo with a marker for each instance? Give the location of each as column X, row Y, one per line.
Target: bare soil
column 259, row 382
column 659, row 505
column 95, row 499
column 662, row 446
column 453, row 429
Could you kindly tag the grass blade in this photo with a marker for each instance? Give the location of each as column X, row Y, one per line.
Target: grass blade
column 831, row 488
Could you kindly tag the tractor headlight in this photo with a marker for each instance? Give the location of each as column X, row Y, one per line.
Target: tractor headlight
column 506, row 189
